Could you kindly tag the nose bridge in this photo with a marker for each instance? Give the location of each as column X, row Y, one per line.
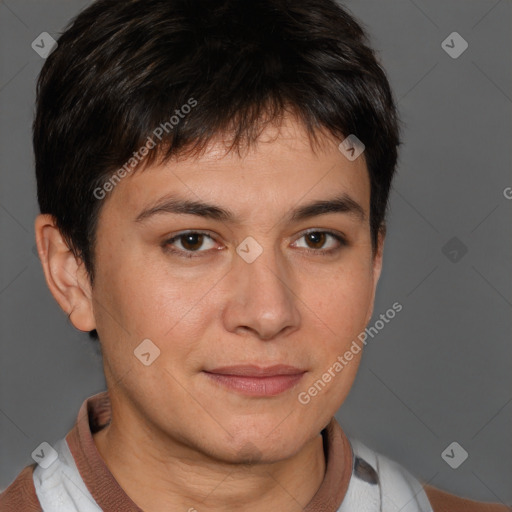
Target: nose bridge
column 265, row 278
column 262, row 298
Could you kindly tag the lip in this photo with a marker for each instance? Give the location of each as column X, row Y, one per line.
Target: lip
column 251, row 370
column 257, row 381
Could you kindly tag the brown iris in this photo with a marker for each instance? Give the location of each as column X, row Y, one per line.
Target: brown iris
column 317, row 238
column 192, row 241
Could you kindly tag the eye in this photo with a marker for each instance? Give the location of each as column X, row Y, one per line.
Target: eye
column 316, row 241
column 189, row 242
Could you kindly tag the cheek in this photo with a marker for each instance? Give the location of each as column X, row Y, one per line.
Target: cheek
column 342, row 308
column 171, row 308
column 155, row 298
column 342, row 302
column 145, row 303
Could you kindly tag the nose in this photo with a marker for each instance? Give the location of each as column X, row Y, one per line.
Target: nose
column 261, row 297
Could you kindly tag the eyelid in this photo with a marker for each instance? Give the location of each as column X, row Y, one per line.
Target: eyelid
column 188, row 232
column 167, row 243
column 339, row 237
column 321, row 230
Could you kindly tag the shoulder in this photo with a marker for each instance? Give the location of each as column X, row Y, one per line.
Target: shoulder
column 383, row 483
column 21, row 494
column 442, row 501
column 399, row 488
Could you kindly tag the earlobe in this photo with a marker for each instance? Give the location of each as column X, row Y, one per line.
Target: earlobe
column 64, row 273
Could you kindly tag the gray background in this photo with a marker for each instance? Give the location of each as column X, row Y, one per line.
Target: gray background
column 440, row 370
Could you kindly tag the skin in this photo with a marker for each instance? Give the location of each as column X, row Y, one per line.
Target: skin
column 289, row 306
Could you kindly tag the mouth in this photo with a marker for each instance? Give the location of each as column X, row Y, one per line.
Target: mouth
column 256, row 381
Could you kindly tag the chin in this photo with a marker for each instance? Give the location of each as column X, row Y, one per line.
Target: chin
column 267, row 442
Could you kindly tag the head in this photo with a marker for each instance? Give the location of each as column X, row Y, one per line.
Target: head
column 193, row 193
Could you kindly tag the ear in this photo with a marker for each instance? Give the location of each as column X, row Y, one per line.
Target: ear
column 65, row 274
column 376, row 268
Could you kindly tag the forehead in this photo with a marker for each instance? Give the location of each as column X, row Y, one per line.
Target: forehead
column 281, row 169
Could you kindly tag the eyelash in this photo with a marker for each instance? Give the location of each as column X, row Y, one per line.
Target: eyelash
column 195, row 254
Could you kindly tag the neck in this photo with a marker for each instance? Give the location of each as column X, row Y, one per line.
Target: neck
column 167, row 475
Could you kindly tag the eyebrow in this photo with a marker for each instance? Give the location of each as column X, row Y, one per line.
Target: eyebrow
column 173, row 204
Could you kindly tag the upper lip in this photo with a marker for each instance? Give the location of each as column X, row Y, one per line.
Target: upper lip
column 257, row 371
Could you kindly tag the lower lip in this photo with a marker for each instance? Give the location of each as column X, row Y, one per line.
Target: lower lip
column 257, row 386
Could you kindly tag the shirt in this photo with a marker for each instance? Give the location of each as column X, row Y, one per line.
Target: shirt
column 72, row 477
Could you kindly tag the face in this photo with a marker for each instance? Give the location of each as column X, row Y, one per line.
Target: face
column 258, row 280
